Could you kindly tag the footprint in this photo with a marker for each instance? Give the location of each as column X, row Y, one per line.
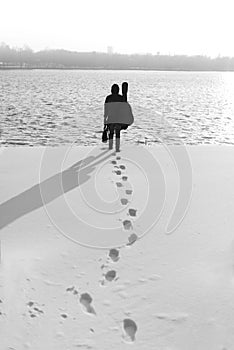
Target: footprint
column 86, row 300
column 127, row 224
column 113, row 162
column 119, row 184
column 118, row 158
column 103, row 266
column 122, row 167
column 118, row 172
column 130, row 329
column 34, row 311
column 110, row 275
column 38, row 310
column 114, row 254
column 132, row 212
column 132, row 239
column 124, row 201
column 128, row 191
column 124, row 178
column 72, row 289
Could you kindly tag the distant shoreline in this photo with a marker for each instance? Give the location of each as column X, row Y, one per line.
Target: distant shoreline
column 26, row 58
column 115, row 69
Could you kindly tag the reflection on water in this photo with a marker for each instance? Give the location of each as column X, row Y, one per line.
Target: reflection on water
column 56, row 107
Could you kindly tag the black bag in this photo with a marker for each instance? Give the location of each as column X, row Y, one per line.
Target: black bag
column 105, row 134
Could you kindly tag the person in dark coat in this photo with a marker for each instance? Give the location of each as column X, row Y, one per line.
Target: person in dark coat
column 117, row 115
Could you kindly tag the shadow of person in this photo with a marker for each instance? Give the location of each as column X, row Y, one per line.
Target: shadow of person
column 48, row 190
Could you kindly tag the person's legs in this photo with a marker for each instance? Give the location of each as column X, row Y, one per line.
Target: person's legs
column 111, row 135
column 117, row 137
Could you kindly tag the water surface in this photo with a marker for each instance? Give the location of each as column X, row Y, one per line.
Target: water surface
column 58, row 107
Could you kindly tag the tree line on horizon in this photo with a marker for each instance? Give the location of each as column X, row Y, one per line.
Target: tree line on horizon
column 63, row 59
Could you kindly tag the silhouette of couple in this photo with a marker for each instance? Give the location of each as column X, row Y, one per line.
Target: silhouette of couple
column 117, row 114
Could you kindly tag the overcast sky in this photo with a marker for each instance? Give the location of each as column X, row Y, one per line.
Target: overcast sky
column 140, row 26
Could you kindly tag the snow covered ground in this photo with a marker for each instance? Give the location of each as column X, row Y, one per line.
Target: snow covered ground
column 87, row 261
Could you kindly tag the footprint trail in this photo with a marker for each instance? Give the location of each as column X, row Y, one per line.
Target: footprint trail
column 129, row 326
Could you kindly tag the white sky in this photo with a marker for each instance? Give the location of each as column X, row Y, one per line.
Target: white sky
column 140, row 26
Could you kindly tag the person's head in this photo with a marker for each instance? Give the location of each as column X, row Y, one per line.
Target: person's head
column 115, row 89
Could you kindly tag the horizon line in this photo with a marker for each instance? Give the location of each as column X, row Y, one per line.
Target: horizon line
column 27, row 47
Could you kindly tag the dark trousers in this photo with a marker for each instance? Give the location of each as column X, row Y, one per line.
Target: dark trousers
column 114, row 128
